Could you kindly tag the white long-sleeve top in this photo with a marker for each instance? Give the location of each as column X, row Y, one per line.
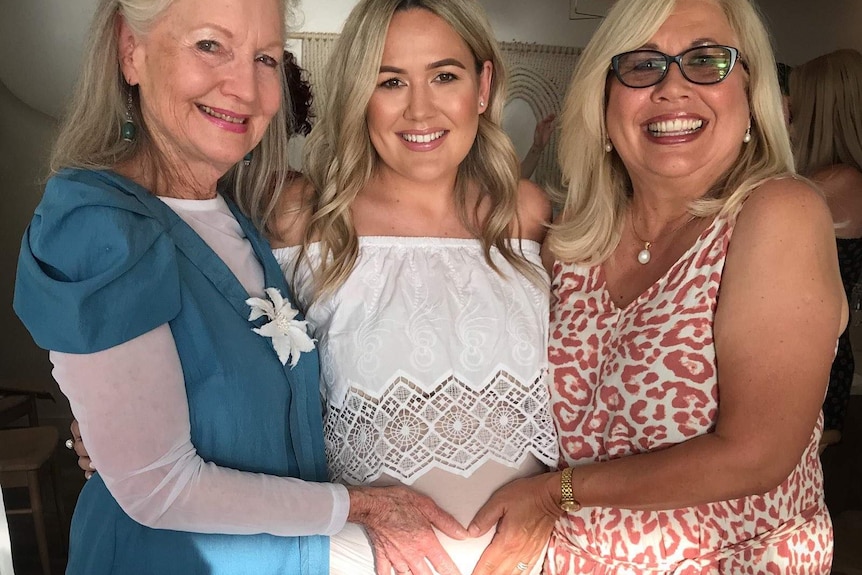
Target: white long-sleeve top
column 130, row 401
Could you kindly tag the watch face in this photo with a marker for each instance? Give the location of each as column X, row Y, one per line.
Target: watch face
column 570, row 506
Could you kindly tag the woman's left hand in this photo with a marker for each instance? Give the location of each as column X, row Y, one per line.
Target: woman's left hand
column 525, row 512
column 84, row 461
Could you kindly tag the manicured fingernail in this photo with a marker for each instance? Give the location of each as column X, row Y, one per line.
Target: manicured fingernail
column 91, row 466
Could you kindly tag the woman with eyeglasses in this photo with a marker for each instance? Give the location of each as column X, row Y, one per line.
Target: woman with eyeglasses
column 697, row 303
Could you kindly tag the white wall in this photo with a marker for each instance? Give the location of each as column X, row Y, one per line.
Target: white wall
column 803, row 29
column 517, row 20
column 541, row 21
column 40, row 46
column 323, row 15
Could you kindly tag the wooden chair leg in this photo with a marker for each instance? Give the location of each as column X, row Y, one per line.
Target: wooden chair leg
column 39, row 520
column 62, row 518
column 33, row 416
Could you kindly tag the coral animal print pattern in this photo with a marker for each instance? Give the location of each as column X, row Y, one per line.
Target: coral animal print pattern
column 642, row 378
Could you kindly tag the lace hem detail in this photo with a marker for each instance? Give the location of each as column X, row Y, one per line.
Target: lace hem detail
column 454, row 427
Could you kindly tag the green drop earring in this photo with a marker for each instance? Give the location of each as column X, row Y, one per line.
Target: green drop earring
column 128, row 129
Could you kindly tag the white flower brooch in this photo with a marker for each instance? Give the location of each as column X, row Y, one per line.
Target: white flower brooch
column 289, row 336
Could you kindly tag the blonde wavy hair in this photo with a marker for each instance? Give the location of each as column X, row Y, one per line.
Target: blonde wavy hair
column 340, row 159
column 598, row 188
column 89, row 135
column 826, row 102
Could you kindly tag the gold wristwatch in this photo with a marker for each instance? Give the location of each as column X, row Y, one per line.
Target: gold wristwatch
column 568, row 503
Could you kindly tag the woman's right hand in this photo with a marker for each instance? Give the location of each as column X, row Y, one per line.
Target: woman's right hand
column 84, row 461
column 399, row 523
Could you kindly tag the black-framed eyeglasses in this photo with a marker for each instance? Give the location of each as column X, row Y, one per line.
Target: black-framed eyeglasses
column 699, row 65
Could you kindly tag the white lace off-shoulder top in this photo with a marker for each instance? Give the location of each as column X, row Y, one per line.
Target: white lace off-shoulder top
column 429, row 359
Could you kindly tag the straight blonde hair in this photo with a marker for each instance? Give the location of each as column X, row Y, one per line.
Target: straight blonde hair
column 826, row 103
column 89, row 136
column 597, row 186
column 340, row 159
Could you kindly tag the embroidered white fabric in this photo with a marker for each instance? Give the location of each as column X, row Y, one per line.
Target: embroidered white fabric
column 429, row 360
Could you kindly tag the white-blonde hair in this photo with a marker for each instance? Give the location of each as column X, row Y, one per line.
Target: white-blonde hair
column 89, row 136
column 598, row 188
column 339, row 158
column 826, row 105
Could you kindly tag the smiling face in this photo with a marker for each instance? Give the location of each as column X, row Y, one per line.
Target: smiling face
column 677, row 129
column 208, row 74
column 424, row 113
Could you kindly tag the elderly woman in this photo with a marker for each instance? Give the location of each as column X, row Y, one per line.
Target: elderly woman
column 697, row 303
column 195, row 386
column 826, row 99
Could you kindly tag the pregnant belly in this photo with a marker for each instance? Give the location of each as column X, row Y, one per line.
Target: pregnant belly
column 350, row 552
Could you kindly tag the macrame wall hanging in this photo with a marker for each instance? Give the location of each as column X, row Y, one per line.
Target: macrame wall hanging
column 538, row 74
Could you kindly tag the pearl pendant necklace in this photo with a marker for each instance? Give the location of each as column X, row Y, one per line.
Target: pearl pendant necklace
column 644, row 256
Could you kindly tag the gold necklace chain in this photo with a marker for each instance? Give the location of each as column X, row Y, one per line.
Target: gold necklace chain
column 644, row 256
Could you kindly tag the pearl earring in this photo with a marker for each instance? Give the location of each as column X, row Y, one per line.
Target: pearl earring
column 747, row 137
column 481, row 103
column 609, row 146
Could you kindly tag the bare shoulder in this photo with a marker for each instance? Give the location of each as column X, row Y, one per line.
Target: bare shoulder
column 534, row 211
column 783, row 245
column 784, row 206
column 293, row 212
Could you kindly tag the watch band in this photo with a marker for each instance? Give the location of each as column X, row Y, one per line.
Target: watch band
column 568, row 503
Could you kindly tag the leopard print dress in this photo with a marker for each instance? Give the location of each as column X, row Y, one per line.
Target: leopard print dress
column 642, row 378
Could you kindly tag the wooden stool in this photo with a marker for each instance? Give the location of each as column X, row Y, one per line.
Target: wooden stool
column 18, row 400
column 14, row 407
column 23, row 452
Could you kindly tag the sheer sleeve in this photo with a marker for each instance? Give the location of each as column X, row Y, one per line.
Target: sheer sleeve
column 131, row 403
